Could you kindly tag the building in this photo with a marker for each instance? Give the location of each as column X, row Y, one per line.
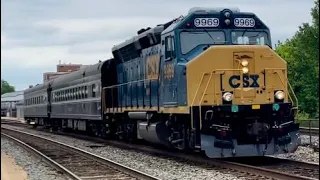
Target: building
column 68, row 67
column 52, row 75
column 20, row 109
column 9, row 102
column 61, row 70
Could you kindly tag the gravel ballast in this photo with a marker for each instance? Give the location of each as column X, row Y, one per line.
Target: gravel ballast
column 35, row 168
column 160, row 167
column 304, row 152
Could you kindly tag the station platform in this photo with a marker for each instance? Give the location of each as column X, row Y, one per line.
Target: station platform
column 10, row 170
column 13, row 119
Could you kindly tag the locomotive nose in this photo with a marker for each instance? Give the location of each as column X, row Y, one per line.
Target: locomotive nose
column 239, row 70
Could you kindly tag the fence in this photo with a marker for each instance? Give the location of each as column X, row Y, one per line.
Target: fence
column 309, row 127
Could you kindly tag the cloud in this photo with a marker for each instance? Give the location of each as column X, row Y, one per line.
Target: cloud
column 3, row 40
column 36, row 34
column 46, row 57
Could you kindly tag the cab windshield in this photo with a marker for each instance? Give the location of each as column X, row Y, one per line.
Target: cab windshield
column 249, row 37
column 190, row 40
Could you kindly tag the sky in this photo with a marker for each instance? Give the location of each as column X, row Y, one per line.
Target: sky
column 36, row 34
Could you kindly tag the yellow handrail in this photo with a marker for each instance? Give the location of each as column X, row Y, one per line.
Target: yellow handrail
column 284, row 85
column 205, row 90
column 206, row 87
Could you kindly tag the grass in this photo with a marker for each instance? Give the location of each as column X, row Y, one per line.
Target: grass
column 305, row 123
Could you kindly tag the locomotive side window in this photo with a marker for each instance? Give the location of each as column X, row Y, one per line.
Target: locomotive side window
column 169, row 49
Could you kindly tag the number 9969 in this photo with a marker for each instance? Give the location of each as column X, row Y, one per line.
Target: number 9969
column 244, row 22
column 206, row 22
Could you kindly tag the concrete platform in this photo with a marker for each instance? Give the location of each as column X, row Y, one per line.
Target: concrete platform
column 13, row 119
column 10, row 170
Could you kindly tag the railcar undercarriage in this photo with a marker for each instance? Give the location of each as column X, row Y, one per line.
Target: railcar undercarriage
column 222, row 134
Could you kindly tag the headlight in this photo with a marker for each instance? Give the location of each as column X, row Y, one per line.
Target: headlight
column 227, row 21
column 227, row 14
column 244, row 63
column 227, row 96
column 279, row 95
column 245, row 70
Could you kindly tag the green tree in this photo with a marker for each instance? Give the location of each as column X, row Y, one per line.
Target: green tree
column 302, row 54
column 6, row 87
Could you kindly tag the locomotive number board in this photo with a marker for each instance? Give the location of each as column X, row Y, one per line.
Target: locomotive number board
column 206, row 22
column 244, row 22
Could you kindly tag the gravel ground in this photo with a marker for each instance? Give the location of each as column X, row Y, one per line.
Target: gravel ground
column 35, row 168
column 305, row 153
column 169, row 169
column 305, row 140
column 156, row 166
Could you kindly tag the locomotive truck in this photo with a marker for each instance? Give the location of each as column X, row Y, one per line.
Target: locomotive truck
column 208, row 81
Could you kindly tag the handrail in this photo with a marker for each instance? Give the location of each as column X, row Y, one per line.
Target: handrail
column 194, row 98
column 284, row 85
column 123, row 84
column 131, row 82
column 206, row 87
column 205, row 90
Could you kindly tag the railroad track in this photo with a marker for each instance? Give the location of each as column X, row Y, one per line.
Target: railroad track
column 254, row 168
column 73, row 162
column 303, row 169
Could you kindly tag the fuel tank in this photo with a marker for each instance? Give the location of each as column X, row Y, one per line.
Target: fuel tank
column 155, row 132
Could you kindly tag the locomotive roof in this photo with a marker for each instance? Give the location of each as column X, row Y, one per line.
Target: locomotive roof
column 156, row 30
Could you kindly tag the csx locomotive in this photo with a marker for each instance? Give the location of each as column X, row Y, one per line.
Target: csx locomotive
column 208, row 81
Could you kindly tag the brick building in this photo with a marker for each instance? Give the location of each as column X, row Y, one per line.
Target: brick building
column 61, row 70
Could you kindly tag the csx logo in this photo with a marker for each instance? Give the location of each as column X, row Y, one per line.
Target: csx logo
column 234, row 81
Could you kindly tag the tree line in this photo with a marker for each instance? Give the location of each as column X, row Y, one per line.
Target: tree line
column 6, row 87
column 302, row 55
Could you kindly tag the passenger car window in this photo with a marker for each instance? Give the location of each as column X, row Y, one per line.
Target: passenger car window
column 93, row 90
